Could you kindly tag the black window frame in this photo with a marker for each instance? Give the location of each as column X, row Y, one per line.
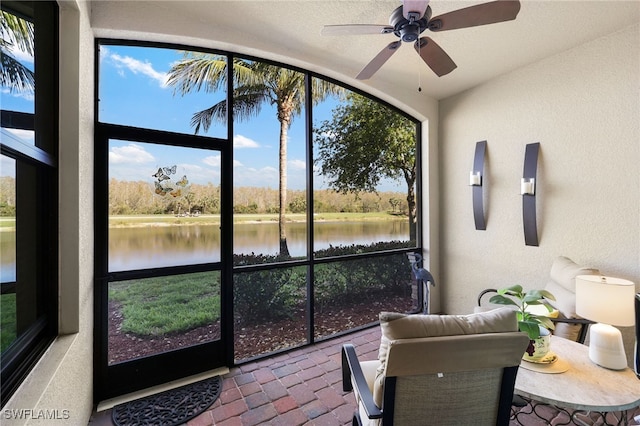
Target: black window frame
column 39, row 194
column 103, row 275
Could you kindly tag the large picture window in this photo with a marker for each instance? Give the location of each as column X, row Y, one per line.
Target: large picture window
column 28, row 187
column 320, row 196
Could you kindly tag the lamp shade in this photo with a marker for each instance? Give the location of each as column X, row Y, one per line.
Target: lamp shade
column 605, row 300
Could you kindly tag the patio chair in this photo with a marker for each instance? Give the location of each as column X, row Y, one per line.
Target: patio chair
column 438, row 370
column 562, row 284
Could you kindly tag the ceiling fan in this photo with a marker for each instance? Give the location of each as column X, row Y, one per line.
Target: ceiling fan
column 408, row 21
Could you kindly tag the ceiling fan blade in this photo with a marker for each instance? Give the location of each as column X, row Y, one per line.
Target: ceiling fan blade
column 379, row 60
column 472, row 16
column 355, row 29
column 415, row 6
column 433, row 55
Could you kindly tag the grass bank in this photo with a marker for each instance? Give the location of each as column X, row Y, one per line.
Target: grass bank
column 169, row 220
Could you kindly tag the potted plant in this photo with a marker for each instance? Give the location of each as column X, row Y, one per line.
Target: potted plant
column 536, row 326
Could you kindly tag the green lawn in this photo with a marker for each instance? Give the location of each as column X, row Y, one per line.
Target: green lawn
column 7, row 320
column 158, row 306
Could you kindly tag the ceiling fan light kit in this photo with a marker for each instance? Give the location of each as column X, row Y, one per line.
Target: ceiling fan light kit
column 410, row 20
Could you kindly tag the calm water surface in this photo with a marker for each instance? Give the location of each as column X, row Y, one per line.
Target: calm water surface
column 138, row 248
column 157, row 246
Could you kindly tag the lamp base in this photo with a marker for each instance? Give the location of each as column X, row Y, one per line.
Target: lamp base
column 606, row 348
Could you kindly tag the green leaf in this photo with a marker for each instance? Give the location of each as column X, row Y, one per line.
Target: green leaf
column 544, row 321
column 531, row 328
column 499, row 299
column 513, row 290
column 547, row 295
column 532, row 296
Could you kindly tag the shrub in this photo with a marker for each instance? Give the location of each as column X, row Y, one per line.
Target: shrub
column 267, row 294
column 277, row 293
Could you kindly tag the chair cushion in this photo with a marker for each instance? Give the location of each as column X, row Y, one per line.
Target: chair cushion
column 402, row 326
column 563, row 284
column 397, row 326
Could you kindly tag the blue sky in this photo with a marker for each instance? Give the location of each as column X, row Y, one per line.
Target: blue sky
column 133, row 91
column 15, row 101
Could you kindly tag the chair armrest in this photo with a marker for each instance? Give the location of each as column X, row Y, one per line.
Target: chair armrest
column 351, row 369
column 573, row 321
column 483, row 292
column 582, row 335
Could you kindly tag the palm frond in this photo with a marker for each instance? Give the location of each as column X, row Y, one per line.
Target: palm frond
column 247, row 104
column 198, row 71
column 15, row 76
column 203, row 119
column 17, row 31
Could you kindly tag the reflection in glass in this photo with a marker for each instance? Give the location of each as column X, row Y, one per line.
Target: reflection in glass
column 21, row 283
column 270, row 311
column 351, row 293
column 155, row 315
column 17, row 90
column 7, row 251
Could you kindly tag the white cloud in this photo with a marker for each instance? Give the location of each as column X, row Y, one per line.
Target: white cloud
column 250, row 176
column 131, row 153
column 23, row 135
column 298, row 164
column 136, row 66
column 240, row 141
column 28, row 96
column 104, row 52
column 212, row 160
column 199, row 174
column 7, row 166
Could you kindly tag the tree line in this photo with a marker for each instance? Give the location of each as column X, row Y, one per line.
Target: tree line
column 138, row 197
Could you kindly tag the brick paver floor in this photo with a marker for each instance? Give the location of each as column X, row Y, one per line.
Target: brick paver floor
column 304, row 387
column 300, row 387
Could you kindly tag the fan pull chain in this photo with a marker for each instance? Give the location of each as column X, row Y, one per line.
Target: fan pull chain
column 419, row 82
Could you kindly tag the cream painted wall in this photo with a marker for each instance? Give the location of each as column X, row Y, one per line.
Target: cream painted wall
column 61, row 384
column 583, row 106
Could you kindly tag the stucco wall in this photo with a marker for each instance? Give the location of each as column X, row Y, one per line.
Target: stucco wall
column 583, row 106
column 59, row 389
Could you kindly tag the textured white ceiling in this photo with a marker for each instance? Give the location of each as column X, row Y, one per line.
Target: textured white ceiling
column 289, row 31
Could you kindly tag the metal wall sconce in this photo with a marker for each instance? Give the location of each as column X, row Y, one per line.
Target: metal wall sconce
column 476, row 183
column 528, row 191
column 475, row 178
column 527, row 186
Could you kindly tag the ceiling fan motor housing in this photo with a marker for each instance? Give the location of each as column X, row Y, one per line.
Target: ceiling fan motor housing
column 409, row 30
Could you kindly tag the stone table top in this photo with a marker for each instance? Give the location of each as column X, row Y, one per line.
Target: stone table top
column 584, row 386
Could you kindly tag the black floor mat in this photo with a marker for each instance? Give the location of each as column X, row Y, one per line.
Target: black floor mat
column 169, row 408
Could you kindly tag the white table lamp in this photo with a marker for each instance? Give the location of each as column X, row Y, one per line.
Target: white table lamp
column 607, row 301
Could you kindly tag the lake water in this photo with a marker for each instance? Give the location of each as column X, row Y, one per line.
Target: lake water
column 149, row 247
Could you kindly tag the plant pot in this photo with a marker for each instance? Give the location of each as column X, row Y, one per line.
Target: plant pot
column 538, row 348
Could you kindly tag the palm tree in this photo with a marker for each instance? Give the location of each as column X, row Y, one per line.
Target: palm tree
column 255, row 84
column 16, row 34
